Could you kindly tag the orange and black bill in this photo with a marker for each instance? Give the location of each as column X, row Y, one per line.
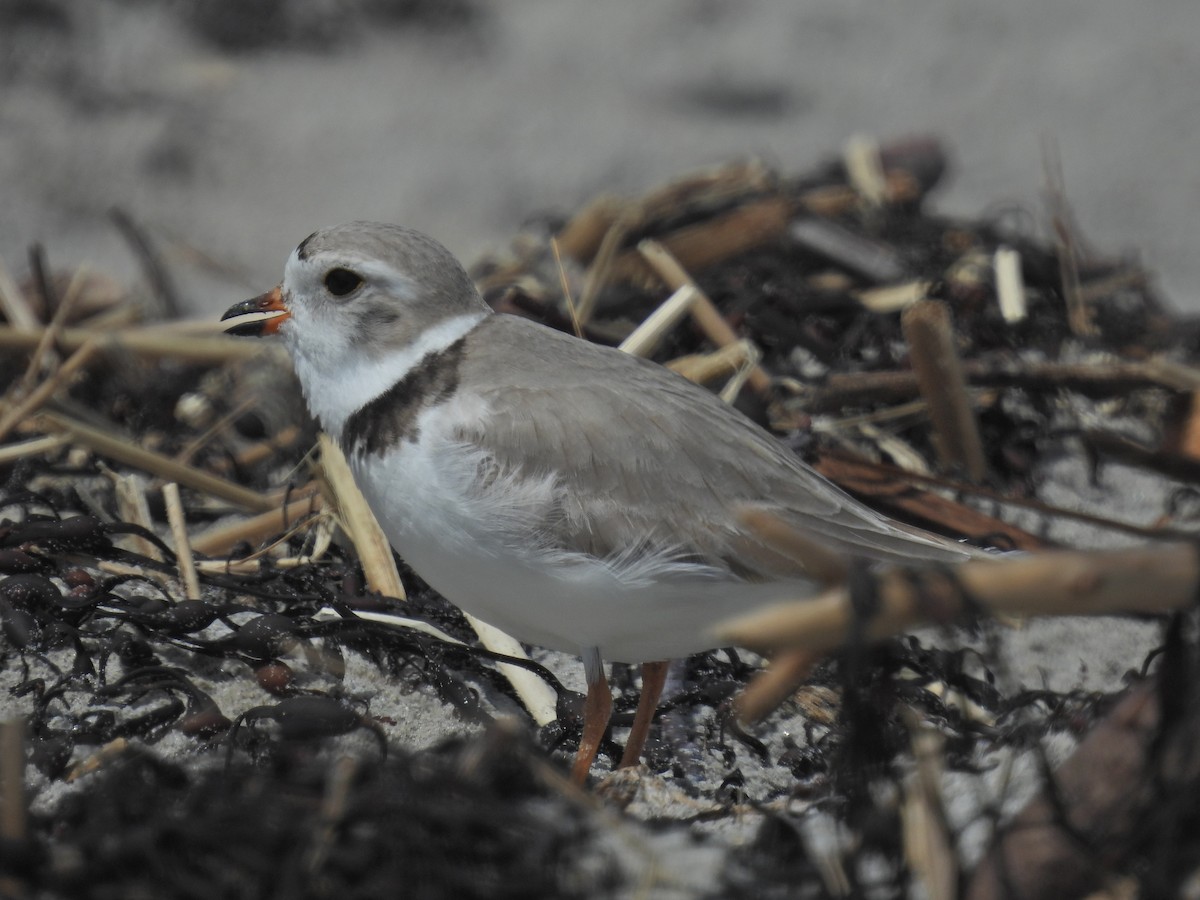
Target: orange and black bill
column 271, row 301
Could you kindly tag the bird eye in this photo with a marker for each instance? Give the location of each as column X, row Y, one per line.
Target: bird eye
column 341, row 282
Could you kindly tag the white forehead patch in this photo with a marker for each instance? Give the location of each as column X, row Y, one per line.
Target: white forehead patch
column 301, row 273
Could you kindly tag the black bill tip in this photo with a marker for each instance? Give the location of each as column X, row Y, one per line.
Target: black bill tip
column 271, row 301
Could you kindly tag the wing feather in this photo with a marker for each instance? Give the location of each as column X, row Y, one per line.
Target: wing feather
column 646, row 458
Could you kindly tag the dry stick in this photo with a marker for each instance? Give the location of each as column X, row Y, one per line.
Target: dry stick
column 939, row 372
column 1157, row 372
column 709, row 191
column 319, row 537
column 751, row 356
column 39, row 272
column 537, row 696
column 773, row 685
column 1189, row 440
column 254, row 530
column 1079, row 314
column 359, row 522
column 954, row 698
column 868, row 257
column 322, row 526
column 565, row 285
column 893, row 297
column 837, row 199
column 734, row 359
column 789, row 667
column 124, row 315
column 928, row 842
column 1173, row 464
column 1140, row 580
column 1104, row 287
column 328, row 614
column 599, row 271
column 101, row 757
column 179, row 533
column 181, row 248
column 334, row 804
column 154, row 343
column 875, row 482
column 706, row 195
column 864, row 169
column 318, row 528
column 905, row 455
column 196, row 444
column 705, row 313
column 848, row 388
column 581, row 237
column 35, row 447
column 1010, row 285
column 33, row 401
column 707, row 243
column 133, row 507
column 116, row 568
column 14, row 305
column 155, row 272
column 256, row 453
column 14, row 827
column 121, row 449
column 13, row 814
column 829, row 465
column 913, row 409
column 50, row 334
column 647, row 336
column 250, row 566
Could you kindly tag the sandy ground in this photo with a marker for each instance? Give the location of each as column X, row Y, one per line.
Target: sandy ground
column 465, row 131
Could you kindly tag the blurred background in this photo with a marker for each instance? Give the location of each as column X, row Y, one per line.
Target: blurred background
column 230, row 130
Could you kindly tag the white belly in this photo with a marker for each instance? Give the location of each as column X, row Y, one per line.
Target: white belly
column 468, row 547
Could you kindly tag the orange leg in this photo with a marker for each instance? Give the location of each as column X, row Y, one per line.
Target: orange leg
column 597, row 710
column 654, row 675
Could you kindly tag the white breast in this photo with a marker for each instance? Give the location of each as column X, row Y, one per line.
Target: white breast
column 336, row 383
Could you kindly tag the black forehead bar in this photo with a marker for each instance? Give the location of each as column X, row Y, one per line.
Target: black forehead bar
column 302, row 250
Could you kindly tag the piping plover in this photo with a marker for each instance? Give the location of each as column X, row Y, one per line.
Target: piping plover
column 570, row 494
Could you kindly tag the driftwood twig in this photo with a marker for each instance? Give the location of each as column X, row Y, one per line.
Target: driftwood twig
column 935, row 361
column 706, row 314
column 1154, row 579
column 177, row 520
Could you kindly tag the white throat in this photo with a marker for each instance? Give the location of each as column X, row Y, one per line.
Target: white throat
column 333, row 395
